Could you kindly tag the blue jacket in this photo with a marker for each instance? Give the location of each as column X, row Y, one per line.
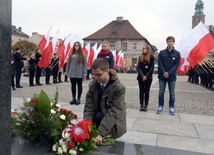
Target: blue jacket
column 109, row 59
column 168, row 62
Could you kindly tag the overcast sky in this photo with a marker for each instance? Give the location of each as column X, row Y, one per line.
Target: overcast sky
column 154, row 19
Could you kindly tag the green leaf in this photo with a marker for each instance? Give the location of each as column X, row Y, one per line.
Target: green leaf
column 44, row 104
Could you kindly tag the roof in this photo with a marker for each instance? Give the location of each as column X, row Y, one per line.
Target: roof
column 18, row 31
column 117, row 29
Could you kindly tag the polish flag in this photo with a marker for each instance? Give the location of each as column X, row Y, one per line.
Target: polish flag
column 61, row 52
column 121, row 58
column 70, row 47
column 91, row 55
column 48, row 53
column 45, row 40
column 194, row 47
column 86, row 50
column 97, row 51
column 114, row 55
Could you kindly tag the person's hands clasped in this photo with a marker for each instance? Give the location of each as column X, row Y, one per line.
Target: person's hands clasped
column 144, row 78
column 166, row 75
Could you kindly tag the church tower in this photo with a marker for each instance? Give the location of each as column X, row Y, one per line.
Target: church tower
column 199, row 14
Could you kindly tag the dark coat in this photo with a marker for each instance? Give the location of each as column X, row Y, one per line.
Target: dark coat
column 109, row 58
column 18, row 60
column 12, row 65
column 32, row 64
column 37, row 57
column 145, row 69
column 168, row 62
column 54, row 65
column 114, row 120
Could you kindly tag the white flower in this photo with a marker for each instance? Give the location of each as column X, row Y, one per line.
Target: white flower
column 61, row 142
column 54, row 147
column 12, row 110
column 59, row 150
column 18, row 124
column 28, row 99
column 73, row 152
column 62, row 117
column 64, row 148
column 53, row 111
column 58, row 105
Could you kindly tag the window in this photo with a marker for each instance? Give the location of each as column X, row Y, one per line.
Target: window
column 92, row 44
column 112, row 46
column 134, row 47
column 124, row 47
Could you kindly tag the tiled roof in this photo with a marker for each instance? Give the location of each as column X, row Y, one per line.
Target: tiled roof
column 116, row 30
column 18, row 31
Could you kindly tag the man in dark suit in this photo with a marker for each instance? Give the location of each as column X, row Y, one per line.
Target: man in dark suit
column 19, row 64
column 38, row 69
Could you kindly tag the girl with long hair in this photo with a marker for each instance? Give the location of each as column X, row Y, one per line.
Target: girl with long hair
column 76, row 70
column 145, row 69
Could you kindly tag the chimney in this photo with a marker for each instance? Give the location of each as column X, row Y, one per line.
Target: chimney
column 34, row 33
column 119, row 19
column 20, row 28
column 13, row 26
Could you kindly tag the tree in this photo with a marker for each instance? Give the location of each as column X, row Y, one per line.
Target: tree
column 26, row 47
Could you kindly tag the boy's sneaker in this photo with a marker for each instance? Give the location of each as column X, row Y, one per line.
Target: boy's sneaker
column 171, row 111
column 160, row 110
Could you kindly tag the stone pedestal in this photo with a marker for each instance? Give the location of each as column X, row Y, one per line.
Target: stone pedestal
column 5, row 73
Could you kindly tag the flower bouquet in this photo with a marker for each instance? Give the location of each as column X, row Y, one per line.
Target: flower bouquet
column 78, row 137
column 40, row 120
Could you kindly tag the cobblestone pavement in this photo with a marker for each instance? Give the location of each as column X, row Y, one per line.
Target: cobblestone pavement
column 190, row 98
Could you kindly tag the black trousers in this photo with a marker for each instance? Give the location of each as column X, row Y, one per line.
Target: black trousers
column 38, row 74
column 60, row 76
column 31, row 76
column 144, row 89
column 78, row 82
column 55, row 74
column 12, row 81
column 47, row 75
column 18, row 76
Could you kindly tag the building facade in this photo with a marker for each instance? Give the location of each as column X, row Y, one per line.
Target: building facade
column 17, row 35
column 121, row 35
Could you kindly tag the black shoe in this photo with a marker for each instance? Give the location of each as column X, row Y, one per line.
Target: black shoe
column 48, row 83
column 19, row 87
column 73, row 101
column 39, row 84
column 66, row 81
column 141, row 108
column 14, row 88
column 32, row 85
column 145, row 108
column 77, row 102
column 60, row 82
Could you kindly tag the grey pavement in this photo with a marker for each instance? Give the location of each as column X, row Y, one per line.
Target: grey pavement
column 191, row 129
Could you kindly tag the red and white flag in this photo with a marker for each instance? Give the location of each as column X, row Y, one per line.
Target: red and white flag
column 194, row 47
column 61, row 52
column 48, row 53
column 86, row 50
column 44, row 41
column 97, row 51
column 121, row 58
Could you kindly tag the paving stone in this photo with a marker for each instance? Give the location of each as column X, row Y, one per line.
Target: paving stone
column 186, row 143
